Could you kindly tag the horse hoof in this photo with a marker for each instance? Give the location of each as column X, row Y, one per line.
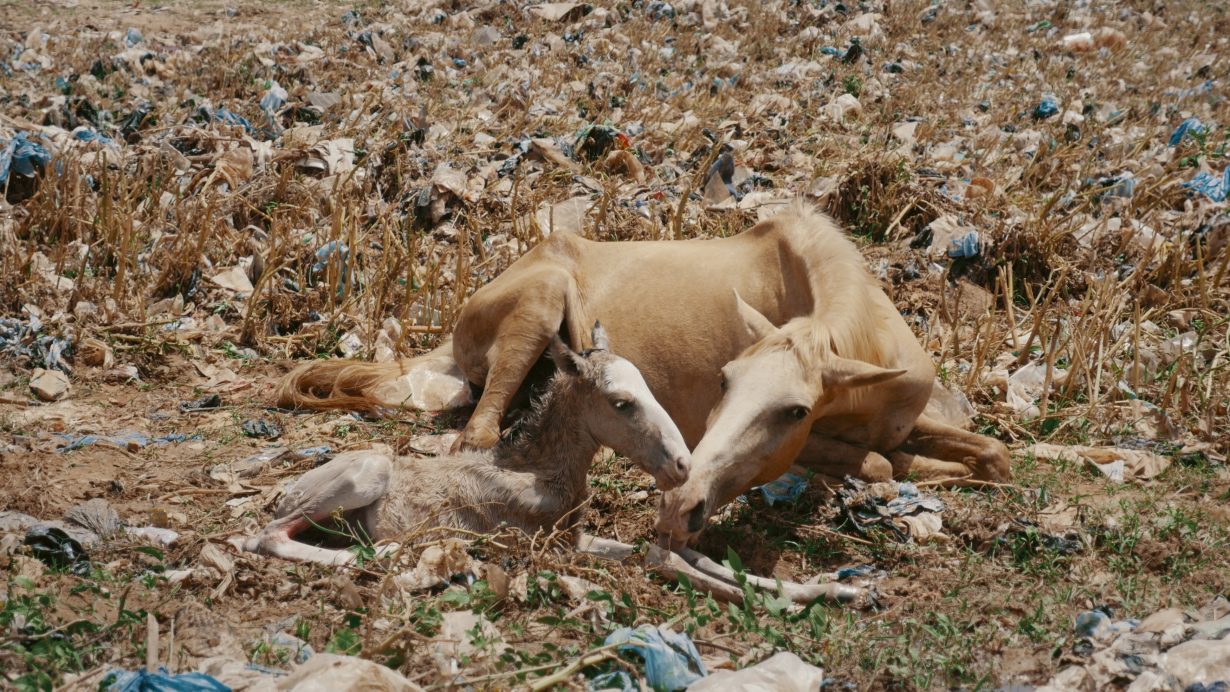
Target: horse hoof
column 479, row 438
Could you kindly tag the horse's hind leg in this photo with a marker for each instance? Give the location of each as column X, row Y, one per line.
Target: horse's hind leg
column 528, row 315
column 937, row 451
column 350, row 481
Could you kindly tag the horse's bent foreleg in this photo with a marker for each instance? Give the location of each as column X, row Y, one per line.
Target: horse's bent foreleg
column 527, row 319
column 831, row 457
column 937, row 451
column 350, row 481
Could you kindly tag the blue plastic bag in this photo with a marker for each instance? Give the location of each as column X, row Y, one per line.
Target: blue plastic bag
column 1191, row 126
column 1048, row 106
column 671, row 659
column 1211, row 186
column 22, row 156
column 968, row 245
column 160, row 681
column 788, row 488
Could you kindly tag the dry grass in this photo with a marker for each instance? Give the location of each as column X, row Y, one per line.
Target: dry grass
column 141, row 229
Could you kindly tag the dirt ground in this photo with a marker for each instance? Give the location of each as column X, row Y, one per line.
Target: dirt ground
column 421, row 147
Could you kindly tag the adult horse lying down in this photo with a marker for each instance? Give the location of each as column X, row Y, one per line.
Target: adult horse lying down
column 849, row 382
column 535, row 479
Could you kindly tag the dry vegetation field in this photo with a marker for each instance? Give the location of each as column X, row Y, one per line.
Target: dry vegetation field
column 232, row 188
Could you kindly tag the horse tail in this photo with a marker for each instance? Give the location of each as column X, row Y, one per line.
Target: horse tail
column 346, row 384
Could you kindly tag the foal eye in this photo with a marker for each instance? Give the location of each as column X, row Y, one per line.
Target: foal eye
column 722, row 383
column 622, row 405
column 799, row 412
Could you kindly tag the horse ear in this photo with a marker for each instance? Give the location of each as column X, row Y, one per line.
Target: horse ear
column 757, row 324
column 849, row 373
column 601, row 341
column 565, row 358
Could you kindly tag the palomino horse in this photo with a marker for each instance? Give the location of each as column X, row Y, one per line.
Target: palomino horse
column 535, row 479
column 862, row 379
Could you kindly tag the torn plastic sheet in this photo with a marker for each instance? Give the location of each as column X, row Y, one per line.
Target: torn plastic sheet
column 56, row 548
column 1211, row 186
column 24, row 338
column 1048, row 106
column 271, row 102
column 865, row 508
column 1191, row 126
column 23, row 156
column 160, row 681
column 222, row 115
column 123, row 440
column 788, row 488
column 968, row 245
column 671, row 659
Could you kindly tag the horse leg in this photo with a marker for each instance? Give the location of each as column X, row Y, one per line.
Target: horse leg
column 350, row 481
column 937, row 451
column 527, row 317
column 835, row 460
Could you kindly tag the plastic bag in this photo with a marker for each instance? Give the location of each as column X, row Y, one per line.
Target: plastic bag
column 160, row 681
column 56, row 548
column 671, row 659
column 781, row 672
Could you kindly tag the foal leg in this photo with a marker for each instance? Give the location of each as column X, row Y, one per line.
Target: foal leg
column 527, row 315
column 937, row 451
column 350, row 481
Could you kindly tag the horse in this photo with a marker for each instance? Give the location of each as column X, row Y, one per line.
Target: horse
column 793, row 286
column 532, row 480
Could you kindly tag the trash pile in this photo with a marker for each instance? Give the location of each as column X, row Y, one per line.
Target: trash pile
column 193, row 196
column 1172, row 649
column 906, row 513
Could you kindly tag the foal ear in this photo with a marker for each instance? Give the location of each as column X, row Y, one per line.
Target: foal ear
column 601, row 341
column 565, row 358
column 757, row 324
column 850, row 373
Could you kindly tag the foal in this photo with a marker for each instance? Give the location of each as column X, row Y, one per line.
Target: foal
column 532, row 480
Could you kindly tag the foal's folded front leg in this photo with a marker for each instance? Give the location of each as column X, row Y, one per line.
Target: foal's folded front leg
column 350, row 481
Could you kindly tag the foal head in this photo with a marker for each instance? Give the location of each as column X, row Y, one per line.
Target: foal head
column 772, row 394
column 620, row 412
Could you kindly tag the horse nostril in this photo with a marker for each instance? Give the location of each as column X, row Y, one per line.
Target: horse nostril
column 696, row 517
column 681, row 467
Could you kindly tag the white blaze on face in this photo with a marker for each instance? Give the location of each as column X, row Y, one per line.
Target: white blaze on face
column 659, row 433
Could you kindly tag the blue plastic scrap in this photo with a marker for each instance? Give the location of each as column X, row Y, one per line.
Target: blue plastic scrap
column 1191, row 126
column 968, row 245
column 271, row 102
column 1048, row 106
column 222, row 115
column 87, row 134
column 1211, row 186
column 1122, row 185
column 22, row 156
column 909, row 500
column 788, row 488
column 1097, row 624
column 671, row 659
column 123, row 440
column 25, row 338
column 160, row 681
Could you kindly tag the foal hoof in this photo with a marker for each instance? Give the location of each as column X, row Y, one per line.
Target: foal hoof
column 244, row 544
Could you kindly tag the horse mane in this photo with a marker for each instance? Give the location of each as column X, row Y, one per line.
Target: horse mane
column 845, row 319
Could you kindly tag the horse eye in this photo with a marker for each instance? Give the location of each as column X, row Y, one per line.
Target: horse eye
column 622, row 405
column 722, row 383
column 799, row 412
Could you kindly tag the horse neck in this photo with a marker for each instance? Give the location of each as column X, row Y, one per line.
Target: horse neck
column 552, row 442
